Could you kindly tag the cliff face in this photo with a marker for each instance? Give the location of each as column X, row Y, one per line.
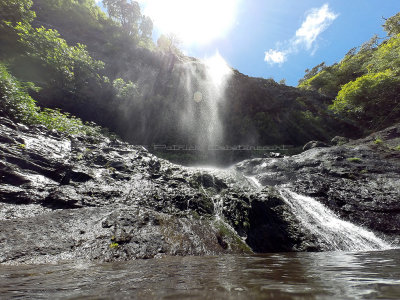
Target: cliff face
column 64, row 197
column 359, row 180
column 92, row 198
column 254, row 111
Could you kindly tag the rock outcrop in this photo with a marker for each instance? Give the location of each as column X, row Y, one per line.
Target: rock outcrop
column 77, row 197
column 359, row 180
column 94, row 198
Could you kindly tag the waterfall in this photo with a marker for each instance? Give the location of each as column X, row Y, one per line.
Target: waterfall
column 331, row 232
column 204, row 83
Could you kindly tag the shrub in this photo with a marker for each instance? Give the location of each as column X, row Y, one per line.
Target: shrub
column 16, row 103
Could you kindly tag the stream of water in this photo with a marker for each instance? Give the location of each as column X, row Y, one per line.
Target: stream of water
column 355, row 272
column 325, row 275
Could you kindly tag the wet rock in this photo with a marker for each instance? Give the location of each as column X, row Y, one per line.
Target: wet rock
column 99, row 199
column 208, row 181
column 273, row 226
column 339, row 140
column 273, row 155
column 358, row 180
column 314, row 144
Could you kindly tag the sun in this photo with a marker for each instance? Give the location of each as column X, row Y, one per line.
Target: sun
column 192, row 21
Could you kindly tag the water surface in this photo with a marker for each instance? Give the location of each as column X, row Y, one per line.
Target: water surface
column 326, row 275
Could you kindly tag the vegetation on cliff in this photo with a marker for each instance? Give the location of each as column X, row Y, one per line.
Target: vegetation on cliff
column 365, row 85
column 106, row 69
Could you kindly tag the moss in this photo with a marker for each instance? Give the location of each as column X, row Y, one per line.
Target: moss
column 114, row 245
column 397, row 148
column 378, row 142
column 229, row 238
column 354, row 159
column 21, row 146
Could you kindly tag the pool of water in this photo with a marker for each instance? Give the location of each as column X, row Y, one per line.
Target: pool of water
column 325, row 275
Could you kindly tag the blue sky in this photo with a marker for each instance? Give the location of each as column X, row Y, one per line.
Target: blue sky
column 262, row 25
column 295, row 34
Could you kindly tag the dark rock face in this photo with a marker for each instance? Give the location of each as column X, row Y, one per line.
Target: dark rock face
column 314, row 144
column 273, row 227
column 75, row 197
column 359, row 180
column 339, row 140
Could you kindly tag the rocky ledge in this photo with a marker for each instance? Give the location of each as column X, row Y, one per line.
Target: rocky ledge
column 359, row 180
column 94, row 198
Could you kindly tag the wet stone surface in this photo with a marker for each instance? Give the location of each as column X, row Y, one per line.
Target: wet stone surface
column 76, row 197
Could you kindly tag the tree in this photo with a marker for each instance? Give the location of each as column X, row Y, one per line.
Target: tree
column 311, row 73
column 146, row 27
column 127, row 91
column 169, row 43
column 392, row 25
column 16, row 11
column 72, row 65
column 370, row 98
column 370, row 45
column 125, row 12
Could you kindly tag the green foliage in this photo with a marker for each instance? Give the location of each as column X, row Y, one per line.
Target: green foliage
column 354, row 159
column 14, row 11
column 71, row 14
column 127, row 13
column 392, row 25
column 369, row 97
column 311, row 73
column 387, row 56
column 71, row 63
column 146, row 27
column 378, row 142
column 125, row 90
column 17, row 104
column 365, row 85
column 397, row 148
column 169, row 43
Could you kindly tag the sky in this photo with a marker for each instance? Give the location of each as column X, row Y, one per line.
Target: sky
column 276, row 39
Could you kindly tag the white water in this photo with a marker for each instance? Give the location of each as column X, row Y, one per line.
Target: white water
column 205, row 85
column 331, row 232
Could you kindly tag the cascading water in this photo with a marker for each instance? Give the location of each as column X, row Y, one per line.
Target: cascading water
column 331, row 232
column 205, row 85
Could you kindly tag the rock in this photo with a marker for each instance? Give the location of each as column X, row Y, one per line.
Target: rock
column 358, row 181
column 339, row 140
column 273, row 227
column 102, row 200
column 90, row 198
column 314, row 144
column 273, row 155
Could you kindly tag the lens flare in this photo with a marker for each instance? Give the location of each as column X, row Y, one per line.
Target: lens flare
column 193, row 21
column 218, row 69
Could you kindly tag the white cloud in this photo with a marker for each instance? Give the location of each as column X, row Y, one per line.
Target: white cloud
column 316, row 22
column 275, row 57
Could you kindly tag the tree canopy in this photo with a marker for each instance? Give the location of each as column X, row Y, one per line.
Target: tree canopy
column 364, row 86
